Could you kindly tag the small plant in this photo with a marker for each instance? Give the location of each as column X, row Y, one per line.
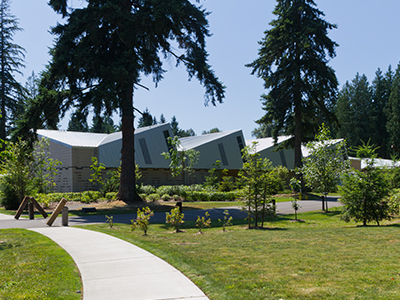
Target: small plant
column 175, row 197
column 165, row 197
column 143, row 219
column 227, row 220
column 295, row 185
column 110, row 220
column 203, row 222
column 153, row 197
column 175, row 218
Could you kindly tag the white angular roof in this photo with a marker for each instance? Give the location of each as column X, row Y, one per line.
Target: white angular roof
column 196, row 141
column 72, row 138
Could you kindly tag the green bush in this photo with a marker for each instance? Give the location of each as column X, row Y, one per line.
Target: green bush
column 111, row 195
column 8, row 197
column 165, row 197
column 153, row 197
column 146, row 189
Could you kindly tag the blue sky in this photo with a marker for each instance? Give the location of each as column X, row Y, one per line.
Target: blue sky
column 367, row 35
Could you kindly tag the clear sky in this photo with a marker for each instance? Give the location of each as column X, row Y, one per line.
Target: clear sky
column 367, row 35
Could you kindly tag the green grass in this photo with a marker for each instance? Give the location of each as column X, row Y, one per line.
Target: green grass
column 34, row 267
column 320, row 258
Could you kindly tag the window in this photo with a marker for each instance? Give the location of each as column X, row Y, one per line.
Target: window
column 223, row 155
column 166, row 136
column 145, row 152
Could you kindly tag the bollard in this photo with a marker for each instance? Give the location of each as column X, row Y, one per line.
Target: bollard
column 31, row 212
column 64, row 216
column 179, row 204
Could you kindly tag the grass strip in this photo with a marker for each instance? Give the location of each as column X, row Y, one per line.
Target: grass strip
column 35, row 267
column 320, row 258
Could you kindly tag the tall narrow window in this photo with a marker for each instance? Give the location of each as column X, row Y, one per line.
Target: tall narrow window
column 166, row 136
column 241, row 146
column 145, row 152
column 223, row 155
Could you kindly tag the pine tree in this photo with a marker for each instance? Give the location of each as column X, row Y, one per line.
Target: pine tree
column 354, row 111
column 78, row 122
column 104, row 48
column 11, row 60
column 146, row 119
column 381, row 87
column 393, row 111
column 293, row 62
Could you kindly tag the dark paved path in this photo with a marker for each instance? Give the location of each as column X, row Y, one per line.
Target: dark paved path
column 190, row 215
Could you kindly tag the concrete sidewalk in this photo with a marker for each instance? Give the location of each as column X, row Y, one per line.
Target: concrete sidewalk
column 114, row 269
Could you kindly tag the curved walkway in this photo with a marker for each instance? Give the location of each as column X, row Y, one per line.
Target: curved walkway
column 114, row 269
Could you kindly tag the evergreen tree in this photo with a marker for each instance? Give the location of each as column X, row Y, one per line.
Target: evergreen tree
column 162, row 119
column 174, row 126
column 393, row 111
column 212, row 130
column 102, row 124
column 11, row 60
column 263, row 131
column 354, row 111
column 381, row 87
column 293, row 64
column 78, row 122
column 104, row 48
column 146, row 119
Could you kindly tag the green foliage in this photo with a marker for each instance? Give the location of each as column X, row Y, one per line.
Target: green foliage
column 203, row 222
column 45, row 168
column 111, row 195
column 153, row 197
column 146, row 119
column 175, row 218
column 103, row 61
column 165, row 197
column 394, row 202
column 181, row 160
column 143, row 219
column 97, row 168
column 110, row 220
column 293, row 63
column 295, row 185
column 215, row 175
column 147, row 189
column 326, row 163
column 363, row 193
column 16, row 165
column 12, row 58
column 227, row 220
column 261, row 183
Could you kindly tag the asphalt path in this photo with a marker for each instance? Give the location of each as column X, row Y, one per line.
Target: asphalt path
column 7, row 221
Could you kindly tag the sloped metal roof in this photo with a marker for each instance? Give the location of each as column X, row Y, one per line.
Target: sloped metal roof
column 72, row 138
column 196, row 141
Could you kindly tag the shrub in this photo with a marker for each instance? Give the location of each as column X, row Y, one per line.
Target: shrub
column 203, row 222
column 9, row 197
column 153, row 197
column 175, row 218
column 111, row 195
column 146, row 189
column 165, row 197
column 143, row 219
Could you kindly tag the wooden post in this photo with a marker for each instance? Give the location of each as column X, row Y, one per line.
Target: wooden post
column 38, row 207
column 56, row 212
column 64, row 216
column 31, row 212
column 21, row 207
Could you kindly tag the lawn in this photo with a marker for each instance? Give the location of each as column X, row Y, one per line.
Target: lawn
column 34, row 267
column 320, row 258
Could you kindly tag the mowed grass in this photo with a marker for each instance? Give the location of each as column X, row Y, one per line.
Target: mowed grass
column 320, row 258
column 34, row 267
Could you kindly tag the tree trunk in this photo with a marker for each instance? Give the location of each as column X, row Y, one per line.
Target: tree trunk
column 127, row 188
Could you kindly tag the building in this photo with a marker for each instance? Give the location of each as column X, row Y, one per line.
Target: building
column 76, row 149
